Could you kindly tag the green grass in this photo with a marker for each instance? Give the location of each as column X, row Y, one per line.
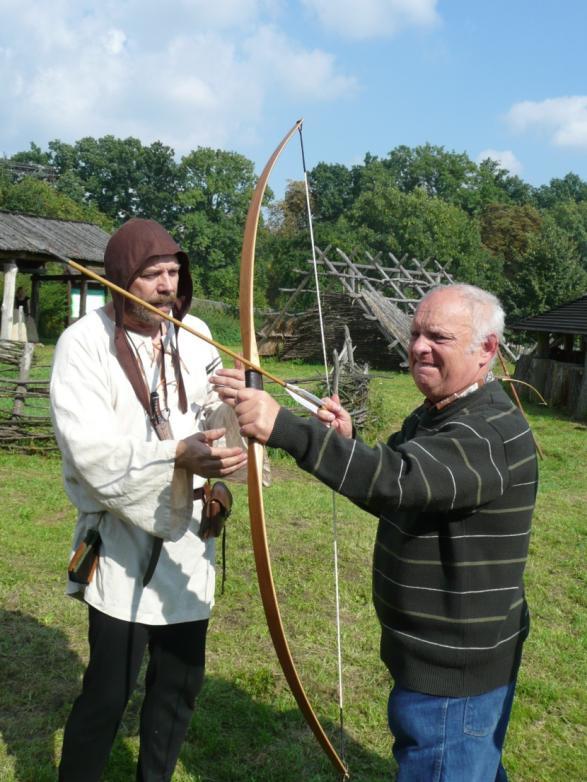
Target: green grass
column 246, row 727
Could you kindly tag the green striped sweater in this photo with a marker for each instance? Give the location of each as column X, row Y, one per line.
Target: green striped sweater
column 454, row 491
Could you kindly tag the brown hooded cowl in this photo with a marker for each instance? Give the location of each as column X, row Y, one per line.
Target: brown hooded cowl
column 134, row 246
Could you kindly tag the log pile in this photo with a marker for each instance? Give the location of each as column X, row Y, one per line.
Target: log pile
column 299, row 336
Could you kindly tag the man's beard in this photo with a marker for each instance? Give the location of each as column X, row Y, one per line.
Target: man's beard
column 144, row 316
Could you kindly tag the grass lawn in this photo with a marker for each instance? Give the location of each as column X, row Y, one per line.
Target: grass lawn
column 247, row 727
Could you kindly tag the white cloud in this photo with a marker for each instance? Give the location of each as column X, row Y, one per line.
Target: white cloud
column 192, row 72
column 219, row 14
column 302, row 73
column 564, row 119
column 363, row 19
column 114, row 41
column 505, row 158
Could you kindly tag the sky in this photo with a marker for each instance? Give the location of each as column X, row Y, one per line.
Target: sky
column 505, row 79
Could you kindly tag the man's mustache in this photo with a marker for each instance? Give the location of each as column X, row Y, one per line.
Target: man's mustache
column 163, row 300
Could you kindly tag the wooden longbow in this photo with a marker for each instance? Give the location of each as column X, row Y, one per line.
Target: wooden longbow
column 255, row 468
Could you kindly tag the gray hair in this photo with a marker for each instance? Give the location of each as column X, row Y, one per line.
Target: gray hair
column 487, row 315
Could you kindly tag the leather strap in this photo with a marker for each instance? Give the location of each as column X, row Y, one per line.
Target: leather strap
column 158, row 545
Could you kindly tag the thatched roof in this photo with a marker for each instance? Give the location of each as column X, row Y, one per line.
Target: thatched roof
column 29, row 241
column 569, row 318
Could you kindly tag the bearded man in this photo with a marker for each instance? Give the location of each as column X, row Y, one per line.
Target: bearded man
column 454, row 491
column 140, row 430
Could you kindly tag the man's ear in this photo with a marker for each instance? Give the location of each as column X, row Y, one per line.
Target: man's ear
column 489, row 348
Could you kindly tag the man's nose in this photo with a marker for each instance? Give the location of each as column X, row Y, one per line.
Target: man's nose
column 420, row 345
column 165, row 282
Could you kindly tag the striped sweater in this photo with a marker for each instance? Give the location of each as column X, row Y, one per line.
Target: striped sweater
column 454, row 491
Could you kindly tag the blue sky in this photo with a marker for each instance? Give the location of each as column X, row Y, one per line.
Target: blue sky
column 504, row 79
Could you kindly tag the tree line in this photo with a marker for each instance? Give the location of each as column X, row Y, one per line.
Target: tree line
column 526, row 244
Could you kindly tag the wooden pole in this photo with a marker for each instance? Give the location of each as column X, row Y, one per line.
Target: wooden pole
column 10, row 271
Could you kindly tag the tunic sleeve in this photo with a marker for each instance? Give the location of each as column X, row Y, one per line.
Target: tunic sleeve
column 101, row 429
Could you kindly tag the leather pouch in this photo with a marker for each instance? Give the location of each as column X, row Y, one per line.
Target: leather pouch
column 217, row 505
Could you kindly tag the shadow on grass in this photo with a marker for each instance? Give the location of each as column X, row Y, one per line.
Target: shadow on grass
column 39, row 679
column 232, row 738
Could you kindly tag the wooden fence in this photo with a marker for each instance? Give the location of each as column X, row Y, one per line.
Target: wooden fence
column 25, row 422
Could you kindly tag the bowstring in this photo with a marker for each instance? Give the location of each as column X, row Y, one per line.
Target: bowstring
column 334, row 513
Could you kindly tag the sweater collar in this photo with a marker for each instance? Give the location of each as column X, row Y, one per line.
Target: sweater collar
column 459, row 394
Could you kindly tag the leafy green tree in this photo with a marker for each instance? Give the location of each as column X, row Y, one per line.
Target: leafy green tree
column 290, row 215
column 423, row 227
column 570, row 188
column 33, row 155
column 491, row 183
column 35, row 197
column 121, row 177
column 571, row 217
column 430, row 168
column 282, row 255
column 548, row 274
column 506, row 230
column 211, row 214
column 333, row 191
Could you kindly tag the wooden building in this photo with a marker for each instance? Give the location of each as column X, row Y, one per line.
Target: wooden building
column 558, row 365
column 28, row 244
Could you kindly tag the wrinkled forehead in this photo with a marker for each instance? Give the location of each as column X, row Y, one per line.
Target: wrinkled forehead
column 444, row 311
column 161, row 263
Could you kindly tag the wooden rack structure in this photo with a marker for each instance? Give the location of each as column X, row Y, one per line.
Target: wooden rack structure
column 373, row 295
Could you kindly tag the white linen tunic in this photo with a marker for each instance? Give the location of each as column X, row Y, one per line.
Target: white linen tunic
column 120, row 475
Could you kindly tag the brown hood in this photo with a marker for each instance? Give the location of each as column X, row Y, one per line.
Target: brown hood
column 136, row 244
column 132, row 248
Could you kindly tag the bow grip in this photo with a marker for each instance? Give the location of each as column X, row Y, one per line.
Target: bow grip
column 253, row 379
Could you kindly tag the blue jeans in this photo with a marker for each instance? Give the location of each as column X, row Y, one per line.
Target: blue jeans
column 441, row 739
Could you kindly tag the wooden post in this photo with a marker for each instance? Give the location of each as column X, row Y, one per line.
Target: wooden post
column 581, row 409
column 68, row 320
column 568, row 346
column 543, row 345
column 10, row 271
column 83, row 297
column 35, row 289
column 21, row 389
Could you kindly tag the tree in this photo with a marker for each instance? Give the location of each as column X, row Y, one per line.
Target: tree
column 571, row 217
column 423, row 227
column 491, row 183
column 212, row 207
column 570, row 188
column 121, row 177
column 548, row 274
column 34, row 155
column 438, row 173
column 333, row 191
column 35, row 197
column 507, row 229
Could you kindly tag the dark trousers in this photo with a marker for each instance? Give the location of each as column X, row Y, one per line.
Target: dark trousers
column 173, row 680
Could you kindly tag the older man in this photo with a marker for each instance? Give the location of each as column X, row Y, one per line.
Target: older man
column 140, row 429
column 454, row 491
